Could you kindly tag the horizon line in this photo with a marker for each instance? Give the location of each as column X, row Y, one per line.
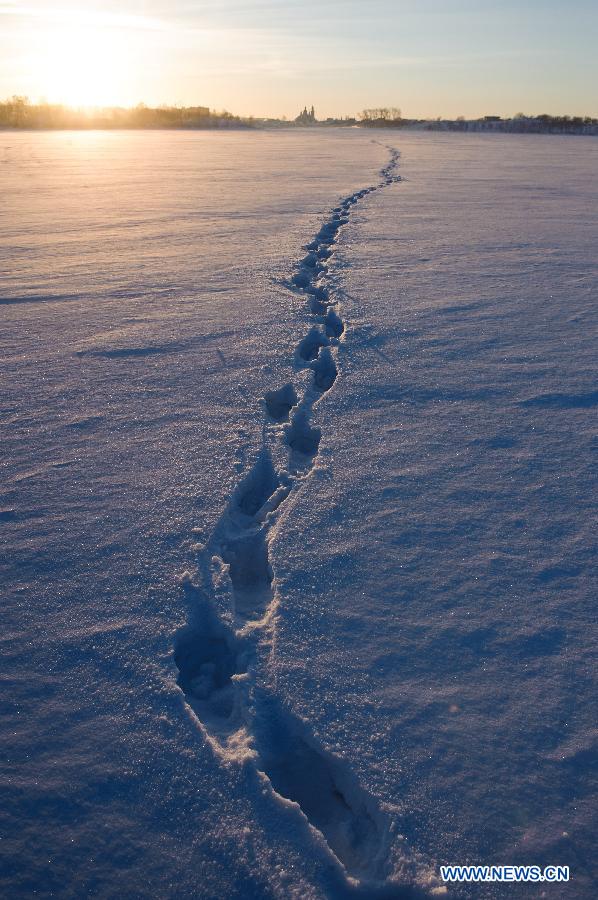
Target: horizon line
column 223, row 112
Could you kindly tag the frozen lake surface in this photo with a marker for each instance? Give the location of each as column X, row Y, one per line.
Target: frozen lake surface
column 297, row 512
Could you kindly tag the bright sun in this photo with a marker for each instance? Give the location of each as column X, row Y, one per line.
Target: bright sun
column 83, row 66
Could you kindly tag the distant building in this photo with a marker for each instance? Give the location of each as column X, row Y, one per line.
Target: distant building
column 306, row 117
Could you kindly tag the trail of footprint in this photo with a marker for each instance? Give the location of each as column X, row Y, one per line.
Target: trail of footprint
column 208, row 655
column 215, row 653
column 279, row 403
column 241, row 541
column 323, row 787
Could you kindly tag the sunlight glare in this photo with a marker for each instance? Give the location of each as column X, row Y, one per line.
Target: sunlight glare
column 84, row 66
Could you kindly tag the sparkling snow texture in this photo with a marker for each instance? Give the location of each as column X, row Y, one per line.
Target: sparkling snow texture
column 297, row 511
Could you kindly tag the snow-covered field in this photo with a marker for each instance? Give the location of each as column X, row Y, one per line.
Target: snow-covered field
column 297, row 509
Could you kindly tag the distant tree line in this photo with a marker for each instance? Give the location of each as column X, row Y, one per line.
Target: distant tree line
column 18, row 112
column 520, row 123
column 383, row 116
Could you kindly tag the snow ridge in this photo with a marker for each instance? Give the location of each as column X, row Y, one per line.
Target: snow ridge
column 233, row 608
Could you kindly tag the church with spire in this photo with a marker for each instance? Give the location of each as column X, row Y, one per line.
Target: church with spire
column 306, row 116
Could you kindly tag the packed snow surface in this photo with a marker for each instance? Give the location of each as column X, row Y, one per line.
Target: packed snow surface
column 298, row 512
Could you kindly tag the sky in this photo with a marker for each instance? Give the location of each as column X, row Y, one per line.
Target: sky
column 271, row 57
